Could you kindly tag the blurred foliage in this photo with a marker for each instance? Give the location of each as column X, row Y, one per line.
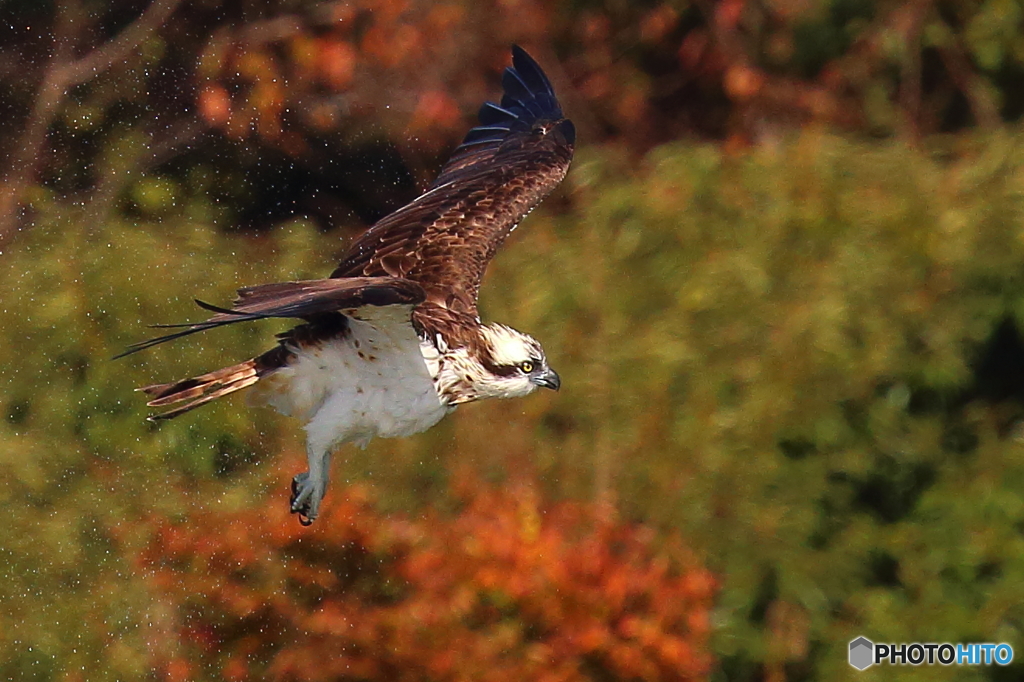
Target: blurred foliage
column 803, row 357
column 504, row 589
column 335, row 110
column 800, row 351
column 783, row 356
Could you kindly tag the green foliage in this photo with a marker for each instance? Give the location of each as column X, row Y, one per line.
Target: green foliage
column 77, row 458
column 773, row 353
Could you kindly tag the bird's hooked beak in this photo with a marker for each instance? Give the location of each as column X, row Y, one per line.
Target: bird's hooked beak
column 548, row 379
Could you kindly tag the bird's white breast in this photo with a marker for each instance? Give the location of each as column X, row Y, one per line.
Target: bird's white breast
column 375, row 381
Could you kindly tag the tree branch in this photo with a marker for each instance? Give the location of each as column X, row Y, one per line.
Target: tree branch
column 910, row 23
column 118, row 48
column 63, row 73
column 966, row 79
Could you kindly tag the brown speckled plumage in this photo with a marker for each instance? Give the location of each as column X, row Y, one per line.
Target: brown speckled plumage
column 399, row 314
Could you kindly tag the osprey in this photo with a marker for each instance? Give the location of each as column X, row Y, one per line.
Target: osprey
column 392, row 341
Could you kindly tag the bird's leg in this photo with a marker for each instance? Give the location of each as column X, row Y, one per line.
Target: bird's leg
column 309, row 487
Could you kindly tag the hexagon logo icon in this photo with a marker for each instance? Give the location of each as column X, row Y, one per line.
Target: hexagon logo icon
column 862, row 652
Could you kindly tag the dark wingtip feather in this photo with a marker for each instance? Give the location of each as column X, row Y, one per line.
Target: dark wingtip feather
column 528, row 97
column 149, row 343
column 529, row 72
column 217, row 309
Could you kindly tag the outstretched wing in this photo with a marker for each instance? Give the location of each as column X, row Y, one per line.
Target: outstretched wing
column 505, row 166
column 306, row 300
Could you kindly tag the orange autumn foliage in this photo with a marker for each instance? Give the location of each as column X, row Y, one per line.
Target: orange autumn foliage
column 507, row 588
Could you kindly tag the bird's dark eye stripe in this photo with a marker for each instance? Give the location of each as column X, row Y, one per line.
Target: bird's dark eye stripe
column 503, row 370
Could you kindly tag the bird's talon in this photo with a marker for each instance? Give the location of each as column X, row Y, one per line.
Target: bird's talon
column 305, row 499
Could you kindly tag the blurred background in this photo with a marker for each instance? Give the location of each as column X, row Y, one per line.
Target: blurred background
column 783, row 284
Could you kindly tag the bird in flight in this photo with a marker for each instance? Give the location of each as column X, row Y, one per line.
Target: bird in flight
column 393, row 341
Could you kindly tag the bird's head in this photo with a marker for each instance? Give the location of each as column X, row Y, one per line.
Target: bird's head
column 514, row 363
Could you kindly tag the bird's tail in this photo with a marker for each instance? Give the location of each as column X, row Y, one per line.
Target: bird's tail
column 202, row 389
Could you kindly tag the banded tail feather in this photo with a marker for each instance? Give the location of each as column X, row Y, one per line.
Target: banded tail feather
column 197, row 391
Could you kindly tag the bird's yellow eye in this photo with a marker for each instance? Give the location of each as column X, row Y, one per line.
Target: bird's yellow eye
column 526, row 366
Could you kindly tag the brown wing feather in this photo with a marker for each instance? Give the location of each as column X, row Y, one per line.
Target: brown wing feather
column 306, row 300
column 444, row 239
